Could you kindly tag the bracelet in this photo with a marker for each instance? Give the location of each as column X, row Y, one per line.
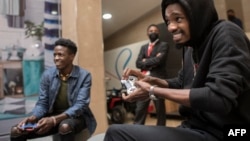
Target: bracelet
column 54, row 120
column 151, row 93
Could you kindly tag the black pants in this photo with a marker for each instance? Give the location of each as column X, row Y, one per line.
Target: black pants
column 131, row 132
column 142, row 110
column 76, row 124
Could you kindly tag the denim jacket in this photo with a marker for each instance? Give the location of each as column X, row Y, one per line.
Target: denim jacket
column 79, row 86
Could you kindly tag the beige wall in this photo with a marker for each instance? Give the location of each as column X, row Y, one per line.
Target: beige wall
column 134, row 32
column 90, row 49
column 220, row 6
column 236, row 5
column 246, row 17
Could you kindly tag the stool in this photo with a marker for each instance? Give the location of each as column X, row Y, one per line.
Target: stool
column 81, row 136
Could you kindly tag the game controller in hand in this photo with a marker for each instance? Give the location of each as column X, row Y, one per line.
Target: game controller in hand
column 29, row 126
column 129, row 84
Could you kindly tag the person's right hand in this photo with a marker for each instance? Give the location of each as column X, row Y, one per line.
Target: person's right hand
column 128, row 72
column 44, row 125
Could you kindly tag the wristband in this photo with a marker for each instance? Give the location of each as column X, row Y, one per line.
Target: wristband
column 54, row 120
column 151, row 93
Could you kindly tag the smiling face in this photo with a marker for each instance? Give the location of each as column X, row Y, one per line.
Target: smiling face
column 63, row 58
column 177, row 23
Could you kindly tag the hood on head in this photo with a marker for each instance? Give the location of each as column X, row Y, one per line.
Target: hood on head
column 201, row 15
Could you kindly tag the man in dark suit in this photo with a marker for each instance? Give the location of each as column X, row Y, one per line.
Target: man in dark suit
column 152, row 61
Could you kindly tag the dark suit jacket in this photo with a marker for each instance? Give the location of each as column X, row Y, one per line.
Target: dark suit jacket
column 155, row 64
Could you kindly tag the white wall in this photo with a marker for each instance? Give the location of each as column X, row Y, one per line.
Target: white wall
column 34, row 10
column 116, row 60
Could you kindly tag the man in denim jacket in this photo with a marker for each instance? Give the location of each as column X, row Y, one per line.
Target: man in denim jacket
column 64, row 96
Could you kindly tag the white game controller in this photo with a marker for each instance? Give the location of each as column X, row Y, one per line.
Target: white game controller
column 129, row 84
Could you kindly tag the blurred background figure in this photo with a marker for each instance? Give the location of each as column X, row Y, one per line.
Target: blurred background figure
column 231, row 17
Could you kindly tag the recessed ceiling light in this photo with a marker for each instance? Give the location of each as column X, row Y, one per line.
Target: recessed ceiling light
column 107, row 16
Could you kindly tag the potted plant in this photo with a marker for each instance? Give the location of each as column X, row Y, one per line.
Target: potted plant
column 33, row 30
column 36, row 33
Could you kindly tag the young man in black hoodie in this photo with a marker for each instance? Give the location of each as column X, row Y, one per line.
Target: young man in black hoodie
column 220, row 90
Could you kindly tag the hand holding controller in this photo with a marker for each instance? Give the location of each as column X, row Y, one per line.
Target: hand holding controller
column 129, row 84
column 29, row 126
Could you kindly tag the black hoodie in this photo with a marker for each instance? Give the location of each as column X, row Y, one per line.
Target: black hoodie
column 220, row 93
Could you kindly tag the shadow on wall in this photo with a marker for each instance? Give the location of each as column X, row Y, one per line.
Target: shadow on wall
column 174, row 55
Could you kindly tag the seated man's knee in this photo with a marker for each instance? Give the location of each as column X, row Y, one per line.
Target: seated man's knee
column 64, row 129
column 15, row 132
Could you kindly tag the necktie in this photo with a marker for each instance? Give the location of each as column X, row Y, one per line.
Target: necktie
column 150, row 48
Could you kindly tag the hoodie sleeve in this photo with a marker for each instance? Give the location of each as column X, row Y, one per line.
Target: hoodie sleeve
column 177, row 81
column 227, row 70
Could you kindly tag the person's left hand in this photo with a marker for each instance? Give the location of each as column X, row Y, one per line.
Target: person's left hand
column 141, row 92
column 44, row 125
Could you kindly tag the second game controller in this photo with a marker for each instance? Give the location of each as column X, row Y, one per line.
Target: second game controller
column 129, row 84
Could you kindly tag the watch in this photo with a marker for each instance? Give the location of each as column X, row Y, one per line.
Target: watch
column 151, row 93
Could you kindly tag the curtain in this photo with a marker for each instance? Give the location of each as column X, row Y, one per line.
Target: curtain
column 14, row 11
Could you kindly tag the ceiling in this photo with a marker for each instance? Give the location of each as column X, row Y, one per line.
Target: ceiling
column 124, row 12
